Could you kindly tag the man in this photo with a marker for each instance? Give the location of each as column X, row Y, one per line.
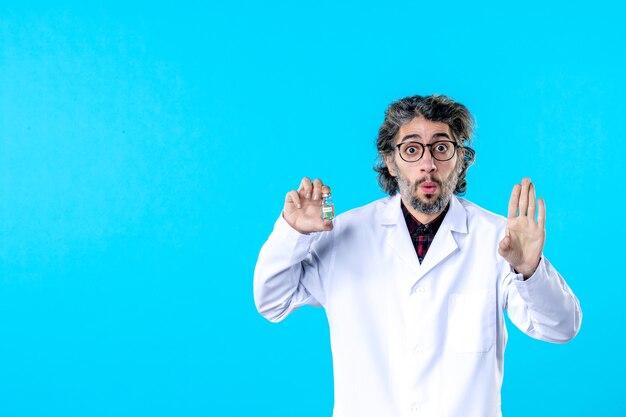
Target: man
column 415, row 285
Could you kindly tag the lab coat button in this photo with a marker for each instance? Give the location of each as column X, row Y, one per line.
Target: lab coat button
column 415, row 409
column 417, row 351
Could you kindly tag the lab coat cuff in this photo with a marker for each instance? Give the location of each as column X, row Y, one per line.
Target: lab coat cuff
column 294, row 245
column 520, row 277
column 283, row 230
column 534, row 282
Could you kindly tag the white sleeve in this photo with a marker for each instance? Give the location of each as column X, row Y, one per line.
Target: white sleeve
column 543, row 306
column 289, row 271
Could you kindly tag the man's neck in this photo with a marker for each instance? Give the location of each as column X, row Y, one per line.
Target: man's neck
column 421, row 217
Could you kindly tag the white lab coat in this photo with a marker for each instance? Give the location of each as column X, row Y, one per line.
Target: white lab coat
column 412, row 339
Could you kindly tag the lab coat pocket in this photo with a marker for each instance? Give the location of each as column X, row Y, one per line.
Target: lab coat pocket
column 472, row 321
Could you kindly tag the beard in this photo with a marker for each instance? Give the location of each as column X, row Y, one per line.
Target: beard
column 431, row 203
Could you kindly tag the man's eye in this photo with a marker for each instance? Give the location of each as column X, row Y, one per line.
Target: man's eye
column 411, row 150
column 442, row 147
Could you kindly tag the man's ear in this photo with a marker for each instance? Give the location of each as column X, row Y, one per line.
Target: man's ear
column 389, row 163
column 461, row 162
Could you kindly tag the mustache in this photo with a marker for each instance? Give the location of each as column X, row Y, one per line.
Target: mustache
column 423, row 180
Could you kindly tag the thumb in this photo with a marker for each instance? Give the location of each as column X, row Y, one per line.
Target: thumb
column 504, row 246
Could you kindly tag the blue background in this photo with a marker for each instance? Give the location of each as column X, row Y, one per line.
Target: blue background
column 145, row 150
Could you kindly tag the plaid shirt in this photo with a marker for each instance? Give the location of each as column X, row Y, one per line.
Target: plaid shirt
column 422, row 235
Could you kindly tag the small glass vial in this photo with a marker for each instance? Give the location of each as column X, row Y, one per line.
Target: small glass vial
column 328, row 207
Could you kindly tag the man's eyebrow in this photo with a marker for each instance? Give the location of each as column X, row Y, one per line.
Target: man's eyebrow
column 411, row 136
column 416, row 136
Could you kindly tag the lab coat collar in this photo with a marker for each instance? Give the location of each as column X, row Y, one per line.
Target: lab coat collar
column 456, row 218
column 443, row 245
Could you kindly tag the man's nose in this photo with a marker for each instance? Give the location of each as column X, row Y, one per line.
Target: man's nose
column 427, row 162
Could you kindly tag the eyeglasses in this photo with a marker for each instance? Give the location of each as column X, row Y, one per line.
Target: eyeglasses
column 442, row 150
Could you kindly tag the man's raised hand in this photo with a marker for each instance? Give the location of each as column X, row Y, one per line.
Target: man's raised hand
column 524, row 238
column 303, row 207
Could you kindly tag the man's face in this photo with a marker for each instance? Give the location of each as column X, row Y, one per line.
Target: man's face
column 425, row 185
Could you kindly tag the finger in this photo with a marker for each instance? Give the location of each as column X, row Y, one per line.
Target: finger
column 306, row 187
column 514, row 201
column 523, row 199
column 317, row 189
column 293, row 197
column 328, row 225
column 532, row 198
column 541, row 216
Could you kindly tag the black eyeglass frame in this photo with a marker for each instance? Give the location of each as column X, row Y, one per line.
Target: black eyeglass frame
column 430, row 145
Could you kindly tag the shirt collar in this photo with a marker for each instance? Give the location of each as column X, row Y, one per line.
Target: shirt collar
column 418, row 228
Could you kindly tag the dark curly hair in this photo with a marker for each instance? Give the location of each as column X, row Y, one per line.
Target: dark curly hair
column 436, row 108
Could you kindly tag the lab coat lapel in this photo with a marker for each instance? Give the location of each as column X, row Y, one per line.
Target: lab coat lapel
column 444, row 243
column 399, row 238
